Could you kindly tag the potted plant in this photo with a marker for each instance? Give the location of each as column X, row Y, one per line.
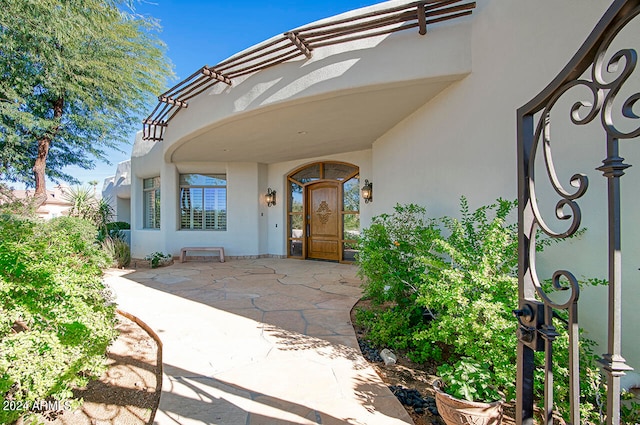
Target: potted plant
column 465, row 394
column 158, row 259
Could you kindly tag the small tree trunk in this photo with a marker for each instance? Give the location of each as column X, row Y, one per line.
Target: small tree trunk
column 39, row 169
column 40, row 165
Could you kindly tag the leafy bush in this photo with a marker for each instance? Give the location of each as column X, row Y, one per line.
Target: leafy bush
column 469, row 380
column 118, row 225
column 391, row 254
column 56, row 318
column 461, row 273
column 472, row 288
column 629, row 410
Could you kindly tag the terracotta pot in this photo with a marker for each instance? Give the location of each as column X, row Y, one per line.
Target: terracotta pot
column 462, row 412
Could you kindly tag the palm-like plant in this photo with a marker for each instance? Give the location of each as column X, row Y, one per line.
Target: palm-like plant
column 85, row 205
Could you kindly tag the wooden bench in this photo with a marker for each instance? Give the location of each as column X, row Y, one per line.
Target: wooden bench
column 183, row 251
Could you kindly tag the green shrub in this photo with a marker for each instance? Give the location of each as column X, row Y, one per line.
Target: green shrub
column 56, row 317
column 391, row 262
column 118, row 250
column 469, row 380
column 462, row 272
column 114, row 229
column 389, row 327
column 472, row 290
column 118, row 225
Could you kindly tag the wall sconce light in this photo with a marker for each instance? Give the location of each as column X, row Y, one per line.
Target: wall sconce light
column 270, row 197
column 367, row 191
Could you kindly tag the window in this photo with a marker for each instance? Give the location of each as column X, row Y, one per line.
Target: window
column 350, row 218
column 203, row 201
column 151, row 200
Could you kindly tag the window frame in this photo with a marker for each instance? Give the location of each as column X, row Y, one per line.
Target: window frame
column 154, row 204
column 217, row 227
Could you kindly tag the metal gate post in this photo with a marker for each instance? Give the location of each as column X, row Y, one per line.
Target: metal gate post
column 614, row 364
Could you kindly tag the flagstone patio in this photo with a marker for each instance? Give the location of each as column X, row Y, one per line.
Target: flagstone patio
column 265, row 341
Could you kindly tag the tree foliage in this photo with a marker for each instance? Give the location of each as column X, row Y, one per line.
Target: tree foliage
column 75, row 76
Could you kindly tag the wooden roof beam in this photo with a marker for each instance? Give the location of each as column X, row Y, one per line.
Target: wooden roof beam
column 152, row 128
column 452, row 10
column 211, row 73
column 172, row 101
column 422, row 19
column 299, row 43
column 155, row 123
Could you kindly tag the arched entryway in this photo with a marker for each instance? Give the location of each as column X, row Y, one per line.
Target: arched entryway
column 323, row 211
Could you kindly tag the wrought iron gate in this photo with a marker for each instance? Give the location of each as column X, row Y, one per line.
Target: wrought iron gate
column 603, row 73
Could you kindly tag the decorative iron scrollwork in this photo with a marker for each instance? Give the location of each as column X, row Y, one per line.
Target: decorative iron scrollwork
column 604, row 91
column 604, row 76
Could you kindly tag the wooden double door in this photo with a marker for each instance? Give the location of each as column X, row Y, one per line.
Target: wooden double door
column 323, row 212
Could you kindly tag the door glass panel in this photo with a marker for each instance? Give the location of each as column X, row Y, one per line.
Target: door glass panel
column 333, row 171
column 351, row 226
column 351, row 194
column 295, row 248
column 295, row 201
column 309, row 174
column 349, row 251
column 296, row 223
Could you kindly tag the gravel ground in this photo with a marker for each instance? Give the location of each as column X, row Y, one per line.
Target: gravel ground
column 129, row 391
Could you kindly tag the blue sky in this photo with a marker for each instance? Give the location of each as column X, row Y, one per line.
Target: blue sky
column 204, row 32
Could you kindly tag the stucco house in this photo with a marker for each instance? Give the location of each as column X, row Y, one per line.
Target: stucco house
column 56, row 204
column 418, row 99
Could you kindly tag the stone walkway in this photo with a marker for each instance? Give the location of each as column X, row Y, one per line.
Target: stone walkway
column 264, row 341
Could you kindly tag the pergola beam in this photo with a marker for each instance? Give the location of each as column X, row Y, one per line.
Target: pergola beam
column 172, row 101
column 422, row 19
column 299, row 43
column 156, row 123
column 211, row 73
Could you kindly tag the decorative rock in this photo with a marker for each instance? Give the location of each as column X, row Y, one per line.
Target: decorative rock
column 369, row 352
column 388, row 357
column 412, row 397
